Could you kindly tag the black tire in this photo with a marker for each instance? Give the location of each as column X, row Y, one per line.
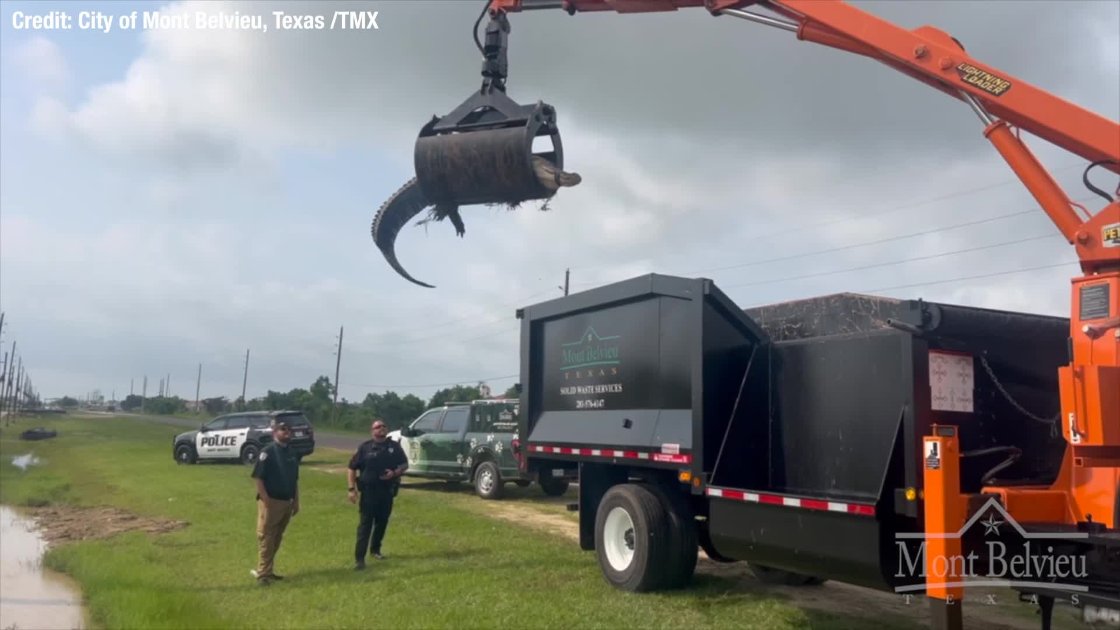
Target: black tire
column 249, row 454
column 770, row 575
column 684, row 548
column 184, row 454
column 633, row 538
column 488, row 481
column 552, row 486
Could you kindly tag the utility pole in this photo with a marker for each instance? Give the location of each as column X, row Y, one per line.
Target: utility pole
column 197, row 387
column 132, row 386
column 337, row 365
column 567, row 274
column 245, row 380
column 19, row 385
column 168, row 393
column 144, row 394
column 7, row 389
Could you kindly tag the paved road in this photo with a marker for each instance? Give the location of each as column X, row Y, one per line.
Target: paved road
column 322, row 438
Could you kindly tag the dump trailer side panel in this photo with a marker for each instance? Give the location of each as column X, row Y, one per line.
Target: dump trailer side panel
column 793, row 431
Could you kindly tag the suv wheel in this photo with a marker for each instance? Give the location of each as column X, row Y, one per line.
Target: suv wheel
column 249, row 454
column 488, row 480
column 184, row 454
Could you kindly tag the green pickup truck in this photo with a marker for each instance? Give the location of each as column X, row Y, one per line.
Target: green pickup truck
column 475, row 442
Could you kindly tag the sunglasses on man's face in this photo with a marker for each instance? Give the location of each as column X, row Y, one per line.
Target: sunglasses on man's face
column 378, row 426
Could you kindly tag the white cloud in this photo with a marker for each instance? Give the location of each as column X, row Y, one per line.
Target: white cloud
column 43, row 62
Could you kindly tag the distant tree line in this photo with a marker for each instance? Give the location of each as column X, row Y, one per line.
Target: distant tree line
column 317, row 403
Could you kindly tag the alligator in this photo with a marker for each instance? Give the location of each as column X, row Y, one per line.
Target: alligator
column 409, row 201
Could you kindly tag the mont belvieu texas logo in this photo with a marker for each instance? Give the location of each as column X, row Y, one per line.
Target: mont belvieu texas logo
column 591, row 356
column 1034, row 563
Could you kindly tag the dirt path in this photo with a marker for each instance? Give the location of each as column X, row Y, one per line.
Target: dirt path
column 67, row 523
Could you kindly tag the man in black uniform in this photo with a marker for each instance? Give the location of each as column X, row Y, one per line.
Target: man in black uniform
column 375, row 470
column 277, row 478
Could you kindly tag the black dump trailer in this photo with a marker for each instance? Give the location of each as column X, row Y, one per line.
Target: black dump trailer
column 789, row 436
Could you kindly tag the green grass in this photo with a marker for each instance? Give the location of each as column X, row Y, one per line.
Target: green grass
column 448, row 564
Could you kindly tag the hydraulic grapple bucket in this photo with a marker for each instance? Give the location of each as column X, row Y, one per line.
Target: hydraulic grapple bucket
column 482, row 152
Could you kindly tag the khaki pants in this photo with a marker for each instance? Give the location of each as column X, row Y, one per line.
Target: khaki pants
column 272, row 519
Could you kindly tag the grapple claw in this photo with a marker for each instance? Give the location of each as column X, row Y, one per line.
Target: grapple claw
column 482, row 152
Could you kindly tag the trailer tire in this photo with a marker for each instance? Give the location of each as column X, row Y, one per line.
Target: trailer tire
column 633, row 538
column 684, row 547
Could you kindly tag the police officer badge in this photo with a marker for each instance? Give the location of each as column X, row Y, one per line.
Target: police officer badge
column 263, row 456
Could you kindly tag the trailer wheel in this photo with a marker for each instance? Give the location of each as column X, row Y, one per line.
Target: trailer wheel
column 770, row 575
column 684, row 545
column 632, row 538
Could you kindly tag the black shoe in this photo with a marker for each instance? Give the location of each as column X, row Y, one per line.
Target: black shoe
column 359, row 565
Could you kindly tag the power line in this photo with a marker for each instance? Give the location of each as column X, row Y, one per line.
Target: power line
column 909, row 206
column 975, row 277
column 896, row 262
column 447, row 384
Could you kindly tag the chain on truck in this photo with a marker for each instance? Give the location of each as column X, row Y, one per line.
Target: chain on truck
column 904, row 445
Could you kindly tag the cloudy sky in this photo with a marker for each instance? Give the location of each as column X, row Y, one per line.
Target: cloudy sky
column 176, row 197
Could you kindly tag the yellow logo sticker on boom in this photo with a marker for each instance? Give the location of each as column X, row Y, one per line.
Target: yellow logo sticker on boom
column 1110, row 235
column 983, row 79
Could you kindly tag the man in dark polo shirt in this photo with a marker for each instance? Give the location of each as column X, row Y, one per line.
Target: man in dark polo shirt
column 277, row 477
column 375, row 470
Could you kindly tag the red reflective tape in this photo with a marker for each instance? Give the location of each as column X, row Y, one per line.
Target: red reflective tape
column 814, row 504
column 861, row 509
column 820, row 505
column 608, row 452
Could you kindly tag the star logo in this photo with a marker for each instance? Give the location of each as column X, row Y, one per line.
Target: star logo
column 991, row 525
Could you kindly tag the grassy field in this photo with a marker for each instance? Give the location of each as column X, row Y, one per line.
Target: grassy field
column 449, row 565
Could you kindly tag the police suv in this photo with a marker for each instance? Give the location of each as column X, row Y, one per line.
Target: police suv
column 241, row 436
